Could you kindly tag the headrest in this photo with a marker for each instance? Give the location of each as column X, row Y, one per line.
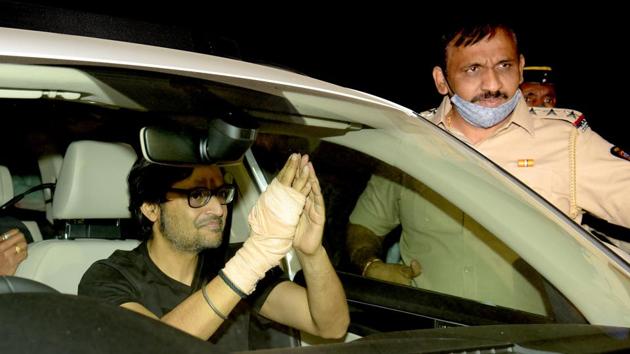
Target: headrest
column 6, row 185
column 49, row 168
column 92, row 183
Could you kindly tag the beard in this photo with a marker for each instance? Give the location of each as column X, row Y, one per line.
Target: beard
column 192, row 239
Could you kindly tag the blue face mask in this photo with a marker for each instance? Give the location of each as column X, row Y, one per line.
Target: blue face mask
column 484, row 117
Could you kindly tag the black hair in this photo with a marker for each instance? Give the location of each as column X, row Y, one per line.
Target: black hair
column 470, row 31
column 148, row 183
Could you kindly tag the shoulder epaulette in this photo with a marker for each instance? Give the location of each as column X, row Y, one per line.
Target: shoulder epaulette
column 428, row 114
column 572, row 116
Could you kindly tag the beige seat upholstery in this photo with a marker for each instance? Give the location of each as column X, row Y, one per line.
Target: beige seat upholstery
column 49, row 169
column 60, row 264
column 6, row 185
column 92, row 185
column 93, row 181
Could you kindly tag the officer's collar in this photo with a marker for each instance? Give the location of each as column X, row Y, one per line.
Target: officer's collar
column 440, row 113
column 520, row 116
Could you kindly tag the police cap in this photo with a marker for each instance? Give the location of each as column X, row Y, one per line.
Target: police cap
column 539, row 74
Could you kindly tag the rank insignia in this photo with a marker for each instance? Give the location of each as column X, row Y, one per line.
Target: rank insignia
column 580, row 123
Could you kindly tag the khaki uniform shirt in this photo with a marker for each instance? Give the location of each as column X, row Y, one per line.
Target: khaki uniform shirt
column 460, row 257
column 543, row 135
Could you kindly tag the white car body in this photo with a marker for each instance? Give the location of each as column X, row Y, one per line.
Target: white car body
column 583, row 269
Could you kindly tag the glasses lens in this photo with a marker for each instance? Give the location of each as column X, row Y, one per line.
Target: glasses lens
column 225, row 194
column 199, row 197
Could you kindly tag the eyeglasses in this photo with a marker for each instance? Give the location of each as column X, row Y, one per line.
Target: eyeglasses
column 200, row 196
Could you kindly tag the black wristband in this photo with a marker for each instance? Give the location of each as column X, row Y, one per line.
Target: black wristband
column 211, row 304
column 229, row 283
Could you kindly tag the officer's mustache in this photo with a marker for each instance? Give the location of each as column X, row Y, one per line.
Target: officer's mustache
column 488, row 95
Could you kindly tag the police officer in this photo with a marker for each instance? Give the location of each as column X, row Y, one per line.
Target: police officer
column 538, row 87
column 551, row 150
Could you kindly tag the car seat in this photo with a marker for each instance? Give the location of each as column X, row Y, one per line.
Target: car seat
column 90, row 199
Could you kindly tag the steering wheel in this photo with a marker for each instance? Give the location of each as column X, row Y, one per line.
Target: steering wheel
column 12, row 285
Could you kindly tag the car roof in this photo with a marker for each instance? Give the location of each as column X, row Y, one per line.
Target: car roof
column 35, row 47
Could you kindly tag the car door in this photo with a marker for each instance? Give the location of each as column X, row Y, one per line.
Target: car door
column 474, row 278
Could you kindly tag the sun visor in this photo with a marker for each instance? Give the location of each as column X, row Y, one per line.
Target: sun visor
column 222, row 143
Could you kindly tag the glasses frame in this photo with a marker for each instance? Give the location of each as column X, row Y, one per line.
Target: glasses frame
column 212, row 193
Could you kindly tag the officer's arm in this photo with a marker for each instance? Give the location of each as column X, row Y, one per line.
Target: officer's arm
column 364, row 248
column 603, row 180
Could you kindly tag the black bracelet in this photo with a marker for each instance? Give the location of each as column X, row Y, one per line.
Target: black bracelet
column 229, row 283
column 214, row 308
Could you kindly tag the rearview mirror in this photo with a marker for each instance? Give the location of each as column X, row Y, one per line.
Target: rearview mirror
column 221, row 143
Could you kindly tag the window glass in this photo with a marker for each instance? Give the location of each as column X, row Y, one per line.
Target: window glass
column 458, row 256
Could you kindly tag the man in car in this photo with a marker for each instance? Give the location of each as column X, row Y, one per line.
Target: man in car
column 179, row 275
column 552, row 151
column 538, row 87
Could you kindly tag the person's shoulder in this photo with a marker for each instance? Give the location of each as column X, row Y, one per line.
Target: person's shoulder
column 123, row 256
column 560, row 116
column 121, row 259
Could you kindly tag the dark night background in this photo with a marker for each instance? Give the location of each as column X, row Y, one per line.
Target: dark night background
column 387, row 50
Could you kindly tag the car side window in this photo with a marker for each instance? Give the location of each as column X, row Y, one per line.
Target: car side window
column 457, row 255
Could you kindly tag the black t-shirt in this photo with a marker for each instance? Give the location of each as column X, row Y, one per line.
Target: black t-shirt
column 131, row 276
